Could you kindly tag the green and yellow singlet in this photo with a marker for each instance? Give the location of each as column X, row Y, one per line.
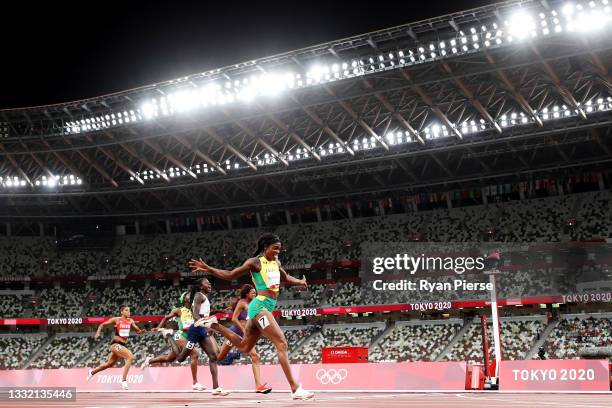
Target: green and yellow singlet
column 185, row 320
column 268, row 276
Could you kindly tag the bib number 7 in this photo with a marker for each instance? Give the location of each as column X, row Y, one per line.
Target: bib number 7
column 263, row 322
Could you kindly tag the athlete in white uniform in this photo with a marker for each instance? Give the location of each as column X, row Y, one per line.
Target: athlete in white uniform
column 200, row 308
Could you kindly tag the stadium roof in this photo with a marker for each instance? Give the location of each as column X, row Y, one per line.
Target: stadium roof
column 501, row 90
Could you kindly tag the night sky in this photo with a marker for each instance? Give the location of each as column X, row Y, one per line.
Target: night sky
column 54, row 52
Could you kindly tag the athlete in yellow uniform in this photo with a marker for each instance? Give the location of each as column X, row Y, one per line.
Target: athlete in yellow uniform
column 267, row 274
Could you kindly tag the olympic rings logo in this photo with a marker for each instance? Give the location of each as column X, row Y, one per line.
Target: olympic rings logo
column 332, row 376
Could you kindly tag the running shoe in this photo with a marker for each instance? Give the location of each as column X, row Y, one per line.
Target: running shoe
column 146, row 362
column 124, row 385
column 89, row 375
column 198, row 387
column 219, row 392
column 263, row 389
column 301, row 394
column 206, row 322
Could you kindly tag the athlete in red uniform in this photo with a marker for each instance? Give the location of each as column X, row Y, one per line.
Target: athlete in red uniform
column 118, row 348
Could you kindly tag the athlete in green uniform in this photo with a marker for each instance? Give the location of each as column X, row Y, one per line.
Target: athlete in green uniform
column 267, row 274
column 184, row 318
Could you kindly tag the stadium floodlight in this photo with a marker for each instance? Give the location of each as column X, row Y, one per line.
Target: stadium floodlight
column 435, row 129
column 520, row 25
column 248, row 93
column 524, row 118
column 588, row 21
column 273, row 84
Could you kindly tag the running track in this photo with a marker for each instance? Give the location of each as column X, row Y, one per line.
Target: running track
column 129, row 399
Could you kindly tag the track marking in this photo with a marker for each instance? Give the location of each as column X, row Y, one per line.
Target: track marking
column 573, row 404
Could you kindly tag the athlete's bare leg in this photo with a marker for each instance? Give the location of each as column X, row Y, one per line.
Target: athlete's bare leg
column 173, row 344
column 127, row 355
column 272, row 331
column 264, row 323
column 110, row 361
column 255, row 365
column 209, row 345
column 225, row 349
column 255, row 360
column 243, row 344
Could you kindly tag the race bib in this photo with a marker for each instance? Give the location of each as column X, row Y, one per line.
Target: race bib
column 263, row 322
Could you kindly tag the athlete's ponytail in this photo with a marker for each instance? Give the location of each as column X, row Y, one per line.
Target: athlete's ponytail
column 265, row 240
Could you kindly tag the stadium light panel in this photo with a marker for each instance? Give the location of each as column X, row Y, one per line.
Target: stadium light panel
column 588, row 21
column 521, row 25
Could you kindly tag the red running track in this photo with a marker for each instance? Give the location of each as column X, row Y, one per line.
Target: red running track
column 133, row 399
